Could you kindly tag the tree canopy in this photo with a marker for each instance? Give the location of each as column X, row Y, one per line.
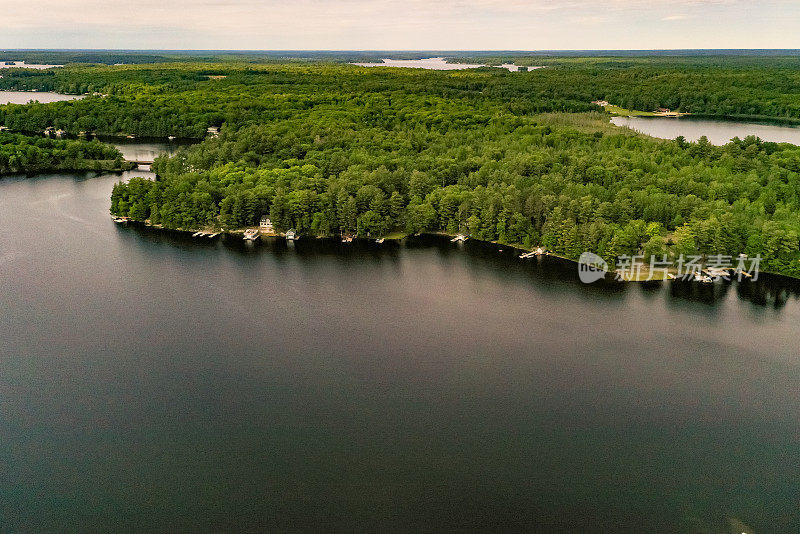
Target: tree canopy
column 520, row 158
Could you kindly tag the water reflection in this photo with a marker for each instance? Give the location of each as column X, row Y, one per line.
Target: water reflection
column 23, row 97
column 718, row 131
column 440, row 63
column 23, row 65
column 768, row 291
column 146, row 149
column 454, row 388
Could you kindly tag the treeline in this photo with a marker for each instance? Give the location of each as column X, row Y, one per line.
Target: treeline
column 63, row 57
column 185, row 99
column 20, row 154
column 516, row 180
column 513, row 157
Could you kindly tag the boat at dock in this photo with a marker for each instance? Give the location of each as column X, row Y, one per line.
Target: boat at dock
column 291, row 235
column 538, row 252
column 347, row 239
column 206, row 234
column 703, row 278
column 121, row 219
column 460, row 238
column 716, row 273
column 380, row 240
column 251, row 234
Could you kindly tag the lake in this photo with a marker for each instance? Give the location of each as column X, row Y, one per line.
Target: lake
column 435, row 63
column 146, row 149
column 718, row 132
column 157, row 383
column 23, row 65
column 23, row 97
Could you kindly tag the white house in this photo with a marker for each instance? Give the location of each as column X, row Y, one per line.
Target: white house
column 266, row 225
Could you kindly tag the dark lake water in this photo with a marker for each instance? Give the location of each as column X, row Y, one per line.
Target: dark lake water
column 150, row 382
column 718, row 132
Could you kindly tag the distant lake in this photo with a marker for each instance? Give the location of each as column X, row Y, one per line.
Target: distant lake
column 718, row 131
column 23, row 65
column 435, row 63
column 152, row 382
column 23, row 97
column 145, row 149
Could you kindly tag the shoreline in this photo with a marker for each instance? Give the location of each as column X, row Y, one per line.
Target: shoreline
column 126, row 168
column 518, row 249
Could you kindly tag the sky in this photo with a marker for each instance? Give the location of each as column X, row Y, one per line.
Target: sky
column 399, row 24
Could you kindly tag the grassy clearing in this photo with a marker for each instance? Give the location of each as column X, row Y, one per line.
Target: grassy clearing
column 396, row 235
column 616, row 110
column 586, row 122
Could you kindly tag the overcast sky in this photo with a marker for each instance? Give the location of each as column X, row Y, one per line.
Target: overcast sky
column 399, row 24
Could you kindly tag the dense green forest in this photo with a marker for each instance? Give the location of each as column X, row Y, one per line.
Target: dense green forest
column 184, row 99
column 520, row 158
column 20, row 154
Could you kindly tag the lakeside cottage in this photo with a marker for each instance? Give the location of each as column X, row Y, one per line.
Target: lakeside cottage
column 602, row 103
column 266, row 225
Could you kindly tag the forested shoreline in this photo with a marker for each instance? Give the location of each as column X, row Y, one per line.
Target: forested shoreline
column 518, row 158
column 21, row 154
column 758, row 87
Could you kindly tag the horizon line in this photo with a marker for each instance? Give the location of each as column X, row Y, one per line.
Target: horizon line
column 542, row 50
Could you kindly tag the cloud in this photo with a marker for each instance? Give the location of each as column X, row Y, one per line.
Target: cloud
column 590, row 20
column 384, row 24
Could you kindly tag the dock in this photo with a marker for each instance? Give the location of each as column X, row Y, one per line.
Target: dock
column 725, row 273
column 460, row 238
column 538, row 252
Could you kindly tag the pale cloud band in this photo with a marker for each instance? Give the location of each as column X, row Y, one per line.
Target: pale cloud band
column 396, row 24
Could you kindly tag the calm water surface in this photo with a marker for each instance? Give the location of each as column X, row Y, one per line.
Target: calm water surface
column 150, row 382
column 434, row 63
column 23, row 97
column 718, row 132
column 146, row 150
column 23, row 65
